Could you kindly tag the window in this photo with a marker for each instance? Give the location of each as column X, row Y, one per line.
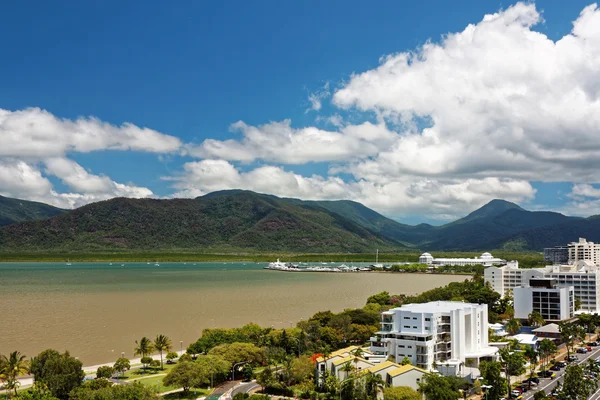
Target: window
column 427, row 319
column 414, row 317
column 406, row 317
column 414, row 327
column 406, row 326
column 401, row 346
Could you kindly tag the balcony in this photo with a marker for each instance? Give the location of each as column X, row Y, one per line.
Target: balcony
column 445, row 320
column 386, row 319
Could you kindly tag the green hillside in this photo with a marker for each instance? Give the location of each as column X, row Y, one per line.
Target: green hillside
column 227, row 221
column 15, row 210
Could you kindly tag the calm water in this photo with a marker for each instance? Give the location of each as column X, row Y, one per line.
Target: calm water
column 97, row 311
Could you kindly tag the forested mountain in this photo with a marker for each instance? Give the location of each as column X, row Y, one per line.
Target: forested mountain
column 237, row 220
column 15, row 210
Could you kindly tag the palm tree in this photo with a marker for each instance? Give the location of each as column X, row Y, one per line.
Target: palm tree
column 12, row 367
column 373, row 385
column 357, row 353
column 144, row 347
column 162, row 343
column 513, row 326
column 535, row 319
column 347, row 368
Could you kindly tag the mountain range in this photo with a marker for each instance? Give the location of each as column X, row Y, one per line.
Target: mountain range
column 237, row 220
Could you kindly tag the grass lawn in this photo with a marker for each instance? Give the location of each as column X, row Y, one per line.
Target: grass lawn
column 156, row 382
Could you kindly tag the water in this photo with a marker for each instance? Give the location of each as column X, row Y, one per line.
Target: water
column 97, row 311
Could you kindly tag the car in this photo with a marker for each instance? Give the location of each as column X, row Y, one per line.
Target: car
column 555, row 367
column 518, row 390
column 593, row 344
column 588, row 348
column 571, row 358
column 546, row 374
column 523, row 388
column 515, row 395
column 582, row 350
column 534, row 381
column 561, row 364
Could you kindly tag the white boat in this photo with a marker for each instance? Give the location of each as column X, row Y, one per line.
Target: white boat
column 376, row 265
column 68, row 262
column 280, row 266
column 157, row 264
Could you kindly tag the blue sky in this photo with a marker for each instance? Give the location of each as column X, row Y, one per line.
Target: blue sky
column 192, row 69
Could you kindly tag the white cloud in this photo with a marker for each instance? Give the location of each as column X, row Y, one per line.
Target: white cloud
column 37, row 133
column 32, row 137
column 400, row 198
column 315, row 99
column 279, row 142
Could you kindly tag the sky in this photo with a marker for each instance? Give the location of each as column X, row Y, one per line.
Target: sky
column 423, row 111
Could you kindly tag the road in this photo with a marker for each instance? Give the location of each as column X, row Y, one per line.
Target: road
column 547, row 384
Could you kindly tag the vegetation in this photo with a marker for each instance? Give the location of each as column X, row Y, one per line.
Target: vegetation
column 59, row 372
column 400, row 393
column 162, row 343
column 121, row 365
column 16, row 210
column 11, row 368
column 105, row 372
column 94, row 391
column 575, row 385
column 185, row 375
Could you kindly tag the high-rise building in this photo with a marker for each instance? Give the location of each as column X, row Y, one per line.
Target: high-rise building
column 556, row 255
column 584, row 251
column 544, row 296
column 448, row 333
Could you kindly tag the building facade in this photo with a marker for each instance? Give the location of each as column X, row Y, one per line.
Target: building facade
column 445, row 332
column 556, row 255
column 583, row 250
column 583, row 276
column 544, row 296
column 486, row 259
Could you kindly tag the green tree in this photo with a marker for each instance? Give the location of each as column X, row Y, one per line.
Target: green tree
column 172, row 356
column 575, row 385
column 185, row 375
column 215, row 369
column 491, row 372
column 540, row 395
column 400, row 393
column 546, row 350
column 513, row 362
column 357, row 354
column 121, row 365
column 12, row 367
column 436, row 387
column 382, row 298
column 571, row 334
column 39, row 391
column 105, row 372
column 154, row 364
column 405, row 361
column 146, row 362
column 248, row 372
column 162, row 343
column 536, row 319
column 61, row 373
column 532, row 356
column 144, row 347
column 512, row 326
column 373, row 385
column 265, row 378
column 136, row 391
column 238, row 352
column 347, row 368
column 302, row 369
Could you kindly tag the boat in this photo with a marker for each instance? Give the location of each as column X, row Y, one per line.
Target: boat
column 281, row 266
column 68, row 262
column 157, row 264
column 377, row 264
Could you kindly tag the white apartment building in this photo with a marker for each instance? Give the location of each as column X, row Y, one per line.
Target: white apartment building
column 449, row 333
column 584, row 251
column 486, row 259
column 584, row 276
column 544, row 296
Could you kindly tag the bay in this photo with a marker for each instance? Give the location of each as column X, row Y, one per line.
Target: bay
column 97, row 310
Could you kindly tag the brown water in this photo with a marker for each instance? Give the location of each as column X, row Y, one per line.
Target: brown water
column 97, row 311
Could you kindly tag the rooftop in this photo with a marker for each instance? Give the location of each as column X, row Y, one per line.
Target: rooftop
column 403, row 369
column 437, row 306
column 550, row 328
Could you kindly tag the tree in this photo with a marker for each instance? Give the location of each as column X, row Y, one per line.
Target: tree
column 238, row 352
column 540, row 396
column 171, row 356
column 405, row 361
column 162, row 343
column 576, row 386
column 436, row 387
column 513, row 361
column 400, row 393
column 39, row 391
column 373, row 385
column 12, row 367
column 155, row 364
column 185, row 375
column 347, row 368
column 512, row 326
column 546, row 350
column 532, row 356
column 382, row 298
column 89, row 391
column 248, row 372
column 61, row 373
column 105, row 372
column 536, row 319
column 265, row 378
column 357, row 353
column 215, row 369
column 577, row 303
column 146, row 362
column 570, row 334
column 491, row 372
column 144, row 347
column 121, row 365
column 302, row 369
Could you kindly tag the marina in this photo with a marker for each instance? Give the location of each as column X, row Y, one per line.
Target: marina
column 290, row 267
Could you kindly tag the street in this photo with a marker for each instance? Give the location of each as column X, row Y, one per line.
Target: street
column 547, row 384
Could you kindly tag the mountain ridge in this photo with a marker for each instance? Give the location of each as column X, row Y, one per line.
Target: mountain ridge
column 237, row 220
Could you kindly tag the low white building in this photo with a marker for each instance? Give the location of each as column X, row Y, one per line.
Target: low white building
column 486, row 259
column 544, row 296
column 451, row 333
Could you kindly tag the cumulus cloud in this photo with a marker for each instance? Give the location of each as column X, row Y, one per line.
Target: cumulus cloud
column 317, row 97
column 279, row 142
column 475, row 116
column 442, row 198
column 33, row 137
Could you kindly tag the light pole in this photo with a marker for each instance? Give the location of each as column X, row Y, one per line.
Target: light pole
column 233, row 369
column 122, row 354
column 181, row 346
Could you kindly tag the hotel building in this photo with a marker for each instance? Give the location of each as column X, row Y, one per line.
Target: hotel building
column 445, row 333
column 542, row 295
